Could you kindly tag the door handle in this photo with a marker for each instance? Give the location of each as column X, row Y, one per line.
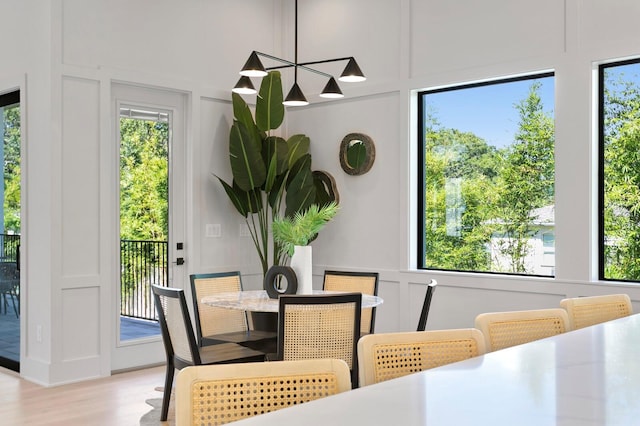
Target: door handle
column 179, row 261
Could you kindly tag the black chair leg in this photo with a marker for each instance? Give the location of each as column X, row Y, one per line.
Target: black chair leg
column 168, row 383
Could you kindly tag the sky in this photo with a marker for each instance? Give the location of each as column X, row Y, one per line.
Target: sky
column 488, row 111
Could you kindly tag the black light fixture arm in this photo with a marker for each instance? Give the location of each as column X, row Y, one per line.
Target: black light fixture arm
column 303, row 65
column 254, row 68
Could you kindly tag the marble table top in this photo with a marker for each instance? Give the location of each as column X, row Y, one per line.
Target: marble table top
column 259, row 301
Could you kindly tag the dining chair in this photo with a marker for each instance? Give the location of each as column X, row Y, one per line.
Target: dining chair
column 426, row 305
column 219, row 394
column 180, row 342
column 505, row 329
column 386, row 356
column 586, row 311
column 355, row 282
column 219, row 325
column 320, row 326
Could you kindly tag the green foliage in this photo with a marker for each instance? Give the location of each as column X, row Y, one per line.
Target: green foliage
column 474, row 191
column 303, row 227
column 143, row 180
column 622, row 180
column 526, row 181
column 459, row 167
column 272, row 176
column 143, row 200
column 11, row 170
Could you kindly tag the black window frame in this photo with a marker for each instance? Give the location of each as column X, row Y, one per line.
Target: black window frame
column 420, row 243
column 601, row 164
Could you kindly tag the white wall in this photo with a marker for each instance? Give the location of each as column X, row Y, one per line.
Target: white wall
column 79, row 48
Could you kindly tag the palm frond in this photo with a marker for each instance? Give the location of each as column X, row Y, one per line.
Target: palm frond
column 303, row 226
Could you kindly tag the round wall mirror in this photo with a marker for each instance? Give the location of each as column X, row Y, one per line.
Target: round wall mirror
column 357, row 153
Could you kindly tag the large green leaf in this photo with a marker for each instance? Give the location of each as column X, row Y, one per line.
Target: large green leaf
column 237, row 199
column 269, row 107
column 301, row 166
column 277, row 189
column 278, row 146
column 298, row 146
column 244, row 201
column 301, row 192
column 253, row 199
column 247, row 165
column 242, row 113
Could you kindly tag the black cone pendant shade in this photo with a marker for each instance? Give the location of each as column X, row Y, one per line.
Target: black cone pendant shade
column 244, row 86
column 253, row 67
column 295, row 97
column 352, row 72
column 331, row 90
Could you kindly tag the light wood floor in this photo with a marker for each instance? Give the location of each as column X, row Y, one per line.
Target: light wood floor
column 118, row 400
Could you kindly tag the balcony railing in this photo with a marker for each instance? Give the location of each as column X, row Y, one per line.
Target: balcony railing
column 10, row 248
column 142, row 263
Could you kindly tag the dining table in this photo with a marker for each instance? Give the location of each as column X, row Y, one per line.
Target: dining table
column 589, row 376
column 259, row 300
column 264, row 309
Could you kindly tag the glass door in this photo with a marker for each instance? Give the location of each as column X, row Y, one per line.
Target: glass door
column 10, row 231
column 150, row 138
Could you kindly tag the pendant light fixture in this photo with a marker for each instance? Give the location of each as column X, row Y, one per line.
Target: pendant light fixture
column 254, row 68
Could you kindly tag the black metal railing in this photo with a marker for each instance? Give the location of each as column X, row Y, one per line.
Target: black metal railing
column 142, row 263
column 10, row 248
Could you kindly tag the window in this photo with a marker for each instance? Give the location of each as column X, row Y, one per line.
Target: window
column 486, row 189
column 619, row 182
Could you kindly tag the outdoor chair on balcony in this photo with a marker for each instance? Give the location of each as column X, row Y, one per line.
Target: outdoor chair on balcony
column 180, row 342
column 219, row 325
column 360, row 282
column 9, row 287
column 210, row 395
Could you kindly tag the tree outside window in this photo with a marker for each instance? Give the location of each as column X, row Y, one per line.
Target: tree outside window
column 487, row 186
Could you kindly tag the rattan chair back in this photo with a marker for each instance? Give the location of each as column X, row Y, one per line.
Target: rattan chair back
column 586, row 311
column 426, row 305
column 386, row 356
column 355, row 282
column 209, row 395
column 505, row 329
column 320, row 326
column 211, row 320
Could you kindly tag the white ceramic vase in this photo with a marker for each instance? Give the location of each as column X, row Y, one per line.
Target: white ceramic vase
column 302, row 266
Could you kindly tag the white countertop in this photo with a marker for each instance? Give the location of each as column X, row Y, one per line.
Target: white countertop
column 589, row 376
